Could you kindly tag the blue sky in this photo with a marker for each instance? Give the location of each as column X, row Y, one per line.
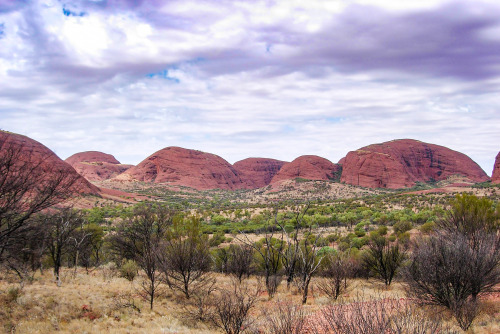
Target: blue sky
column 240, row 79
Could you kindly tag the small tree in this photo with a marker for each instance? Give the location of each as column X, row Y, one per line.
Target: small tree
column 460, row 262
column 139, row 238
column 184, row 257
column 28, row 185
column 383, row 259
column 337, row 268
column 240, row 261
column 61, row 230
column 284, row 318
column 231, row 308
column 268, row 254
column 310, row 261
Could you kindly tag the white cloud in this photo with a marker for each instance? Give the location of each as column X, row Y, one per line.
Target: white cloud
column 239, row 79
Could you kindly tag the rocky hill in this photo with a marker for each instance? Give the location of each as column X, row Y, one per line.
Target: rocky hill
column 309, row 167
column 35, row 156
column 402, row 163
column 184, row 167
column 96, row 166
column 257, row 172
column 495, row 177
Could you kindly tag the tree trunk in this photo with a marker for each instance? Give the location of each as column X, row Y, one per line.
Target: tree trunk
column 306, row 289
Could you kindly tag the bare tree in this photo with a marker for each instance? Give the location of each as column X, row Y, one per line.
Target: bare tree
column 310, row 261
column 231, row 308
column 269, row 252
column 139, row 238
column 383, row 259
column 92, row 246
column 336, row 270
column 240, row 262
column 460, row 261
column 291, row 254
column 284, row 318
column 445, row 270
column 61, row 227
column 25, row 256
column 184, row 256
column 28, row 184
column 370, row 315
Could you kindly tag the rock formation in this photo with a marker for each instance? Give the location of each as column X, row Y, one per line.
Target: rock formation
column 34, row 156
column 402, row 163
column 309, row 167
column 96, row 166
column 257, row 172
column 184, row 167
column 495, row 177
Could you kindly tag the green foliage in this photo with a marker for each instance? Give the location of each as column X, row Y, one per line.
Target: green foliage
column 402, row 227
column 469, row 215
column 217, row 239
column 129, row 270
column 383, row 259
column 428, row 227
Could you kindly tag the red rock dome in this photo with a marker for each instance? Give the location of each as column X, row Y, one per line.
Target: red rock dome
column 402, row 163
column 184, row 167
column 96, row 166
column 257, row 172
column 495, row 177
column 309, row 167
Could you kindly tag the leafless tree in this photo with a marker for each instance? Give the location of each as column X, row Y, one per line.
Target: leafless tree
column 28, row 185
column 139, row 238
column 231, row 308
column 291, row 254
column 284, row 317
column 60, row 228
column 25, row 256
column 337, row 269
column 184, row 256
column 310, row 261
column 199, row 305
column 269, row 256
column 446, row 270
column 370, row 315
column 240, row 262
column 460, row 261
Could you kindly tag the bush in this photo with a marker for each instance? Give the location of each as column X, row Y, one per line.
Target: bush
column 402, row 227
column 383, row 259
column 284, row 318
column 428, row 227
column 129, row 270
column 231, row 308
column 364, row 316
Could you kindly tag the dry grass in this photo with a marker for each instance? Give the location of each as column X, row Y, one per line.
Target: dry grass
column 99, row 303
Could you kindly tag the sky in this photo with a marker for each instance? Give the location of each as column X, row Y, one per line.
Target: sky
column 275, row 79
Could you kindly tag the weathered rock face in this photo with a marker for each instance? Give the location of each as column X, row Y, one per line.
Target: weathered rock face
column 495, row 177
column 31, row 153
column 257, row 172
column 402, row 163
column 92, row 156
column 96, row 166
column 309, row 167
column 183, row 167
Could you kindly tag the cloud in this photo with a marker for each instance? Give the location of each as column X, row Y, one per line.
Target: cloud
column 250, row 78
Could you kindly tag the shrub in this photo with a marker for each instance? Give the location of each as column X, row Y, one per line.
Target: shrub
column 129, row 270
column 231, row 309
column 284, row 318
column 402, row 227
